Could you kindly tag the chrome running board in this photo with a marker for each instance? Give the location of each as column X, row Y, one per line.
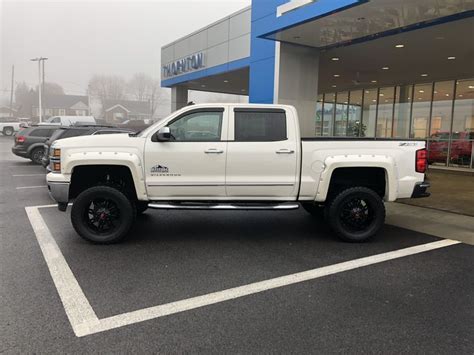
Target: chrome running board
column 222, row 206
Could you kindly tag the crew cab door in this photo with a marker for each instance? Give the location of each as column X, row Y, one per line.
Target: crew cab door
column 191, row 165
column 262, row 155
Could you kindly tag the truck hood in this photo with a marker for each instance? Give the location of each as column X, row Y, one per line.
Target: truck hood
column 106, row 142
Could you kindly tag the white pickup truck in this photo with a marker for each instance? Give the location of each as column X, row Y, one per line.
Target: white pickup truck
column 9, row 125
column 232, row 156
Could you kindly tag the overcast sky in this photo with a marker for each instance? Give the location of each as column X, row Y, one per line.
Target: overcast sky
column 83, row 38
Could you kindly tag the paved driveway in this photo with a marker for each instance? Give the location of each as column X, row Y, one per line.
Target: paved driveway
column 214, row 282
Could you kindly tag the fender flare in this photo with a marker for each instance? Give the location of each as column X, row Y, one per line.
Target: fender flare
column 129, row 160
column 334, row 162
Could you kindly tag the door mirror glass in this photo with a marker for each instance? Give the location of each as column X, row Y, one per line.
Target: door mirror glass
column 163, row 135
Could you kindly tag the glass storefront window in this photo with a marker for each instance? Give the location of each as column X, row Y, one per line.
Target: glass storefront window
column 442, row 108
column 328, row 115
column 354, row 113
column 385, row 112
column 342, row 104
column 440, row 124
column 319, row 115
column 402, row 111
column 369, row 113
column 462, row 139
column 421, row 110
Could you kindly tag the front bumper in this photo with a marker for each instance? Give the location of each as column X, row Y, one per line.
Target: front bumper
column 59, row 192
column 420, row 190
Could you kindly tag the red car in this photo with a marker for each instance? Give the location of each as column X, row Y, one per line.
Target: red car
column 461, row 147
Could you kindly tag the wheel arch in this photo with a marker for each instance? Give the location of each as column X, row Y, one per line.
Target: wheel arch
column 365, row 171
column 90, row 173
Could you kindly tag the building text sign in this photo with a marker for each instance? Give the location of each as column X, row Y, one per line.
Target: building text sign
column 184, row 65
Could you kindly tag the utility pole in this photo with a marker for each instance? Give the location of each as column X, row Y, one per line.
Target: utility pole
column 39, row 60
column 42, row 82
column 11, row 92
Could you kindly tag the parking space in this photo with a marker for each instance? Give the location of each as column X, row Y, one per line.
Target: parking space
column 223, row 282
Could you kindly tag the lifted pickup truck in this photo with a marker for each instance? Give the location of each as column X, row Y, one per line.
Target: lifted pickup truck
column 232, row 156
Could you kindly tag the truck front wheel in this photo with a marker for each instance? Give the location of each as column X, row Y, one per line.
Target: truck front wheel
column 356, row 214
column 102, row 215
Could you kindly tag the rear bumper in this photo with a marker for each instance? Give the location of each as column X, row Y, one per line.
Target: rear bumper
column 420, row 190
column 20, row 152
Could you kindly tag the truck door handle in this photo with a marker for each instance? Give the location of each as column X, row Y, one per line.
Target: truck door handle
column 213, row 151
column 285, row 151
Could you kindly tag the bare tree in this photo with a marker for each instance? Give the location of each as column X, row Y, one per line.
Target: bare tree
column 107, row 87
column 51, row 89
column 142, row 87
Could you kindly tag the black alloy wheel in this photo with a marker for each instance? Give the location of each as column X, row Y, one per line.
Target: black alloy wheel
column 356, row 214
column 102, row 214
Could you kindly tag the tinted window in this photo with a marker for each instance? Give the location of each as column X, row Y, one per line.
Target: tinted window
column 260, row 126
column 197, row 126
column 42, row 132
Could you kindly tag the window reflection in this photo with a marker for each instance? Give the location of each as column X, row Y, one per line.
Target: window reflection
column 385, row 112
column 342, row 105
column 441, row 112
column 319, row 115
column 329, row 102
column 402, row 111
column 421, row 110
column 354, row 113
column 369, row 113
column 461, row 149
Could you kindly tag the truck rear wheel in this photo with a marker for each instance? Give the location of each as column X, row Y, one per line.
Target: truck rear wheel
column 102, row 215
column 356, row 214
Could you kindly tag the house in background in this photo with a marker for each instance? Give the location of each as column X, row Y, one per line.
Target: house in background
column 5, row 111
column 116, row 111
column 62, row 105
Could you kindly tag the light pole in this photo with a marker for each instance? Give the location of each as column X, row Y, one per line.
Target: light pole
column 39, row 60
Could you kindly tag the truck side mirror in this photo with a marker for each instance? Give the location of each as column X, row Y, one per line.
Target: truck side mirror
column 163, row 135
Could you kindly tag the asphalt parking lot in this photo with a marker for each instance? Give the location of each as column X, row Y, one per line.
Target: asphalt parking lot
column 214, row 282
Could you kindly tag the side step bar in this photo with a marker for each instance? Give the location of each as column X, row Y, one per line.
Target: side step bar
column 223, row 206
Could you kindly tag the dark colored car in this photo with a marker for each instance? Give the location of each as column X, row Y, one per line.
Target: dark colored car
column 76, row 131
column 29, row 142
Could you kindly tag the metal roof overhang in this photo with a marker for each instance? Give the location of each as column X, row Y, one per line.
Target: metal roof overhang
column 333, row 23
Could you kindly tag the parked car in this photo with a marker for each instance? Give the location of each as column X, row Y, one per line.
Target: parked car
column 75, row 131
column 10, row 125
column 29, row 142
column 69, row 120
column 249, row 157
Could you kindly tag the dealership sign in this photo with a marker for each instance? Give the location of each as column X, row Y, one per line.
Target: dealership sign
column 184, row 65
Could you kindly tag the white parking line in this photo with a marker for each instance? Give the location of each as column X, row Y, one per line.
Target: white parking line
column 30, row 187
column 85, row 322
column 28, row 175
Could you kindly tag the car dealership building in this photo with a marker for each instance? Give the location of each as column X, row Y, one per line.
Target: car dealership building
column 352, row 68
